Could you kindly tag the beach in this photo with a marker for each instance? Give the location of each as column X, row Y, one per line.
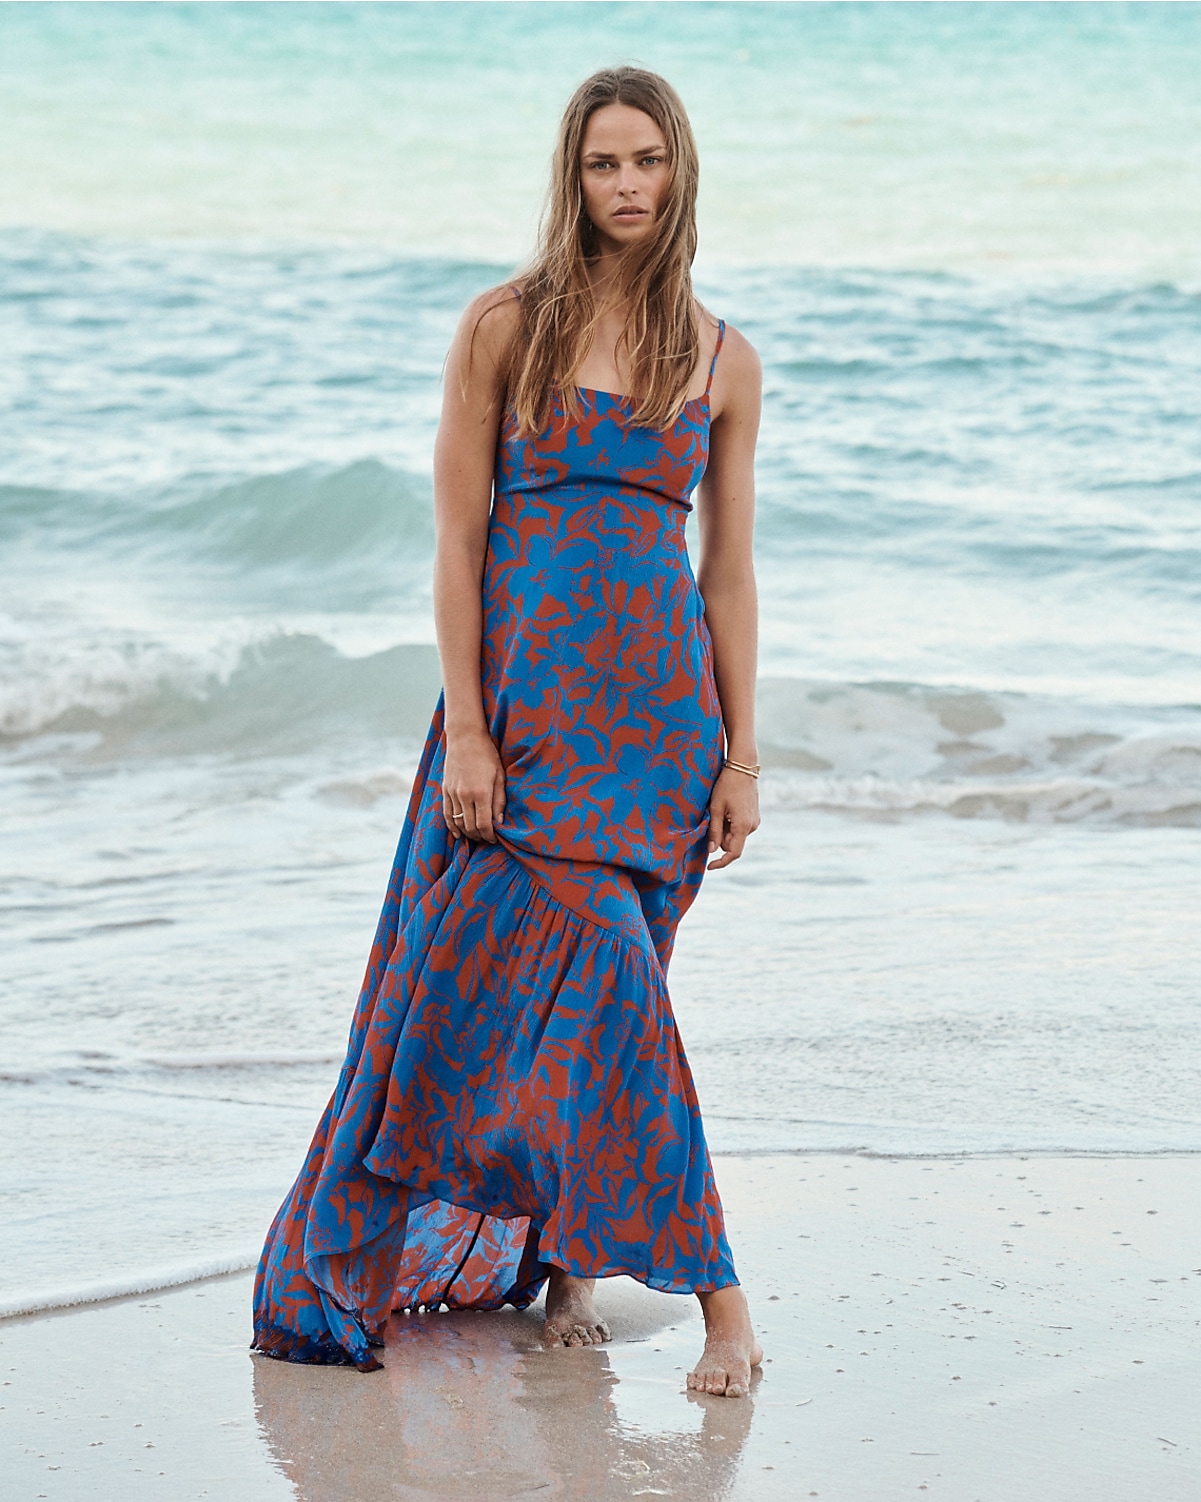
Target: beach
column 984, row 1329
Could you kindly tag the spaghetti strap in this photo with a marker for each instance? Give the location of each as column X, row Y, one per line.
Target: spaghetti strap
column 721, row 334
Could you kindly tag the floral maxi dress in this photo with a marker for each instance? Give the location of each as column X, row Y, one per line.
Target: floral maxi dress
column 515, row 1092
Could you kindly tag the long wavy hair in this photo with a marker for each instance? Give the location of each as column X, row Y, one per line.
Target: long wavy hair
column 559, row 314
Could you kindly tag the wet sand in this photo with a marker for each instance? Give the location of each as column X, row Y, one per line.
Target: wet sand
column 981, row 1330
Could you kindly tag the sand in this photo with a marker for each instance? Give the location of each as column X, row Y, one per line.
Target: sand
column 979, row 1330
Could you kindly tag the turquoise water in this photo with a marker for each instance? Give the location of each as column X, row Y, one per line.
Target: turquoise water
column 1007, row 136
column 234, row 241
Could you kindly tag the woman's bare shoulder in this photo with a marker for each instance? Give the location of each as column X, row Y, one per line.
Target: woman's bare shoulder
column 491, row 319
column 737, row 378
column 737, row 351
column 739, row 355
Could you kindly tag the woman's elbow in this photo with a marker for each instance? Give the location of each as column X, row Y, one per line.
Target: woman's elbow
column 727, row 579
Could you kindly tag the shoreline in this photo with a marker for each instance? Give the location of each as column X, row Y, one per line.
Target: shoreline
column 146, row 1284
column 186, row 1275
column 986, row 1328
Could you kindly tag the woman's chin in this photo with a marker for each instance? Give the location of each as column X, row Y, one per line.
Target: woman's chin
column 620, row 236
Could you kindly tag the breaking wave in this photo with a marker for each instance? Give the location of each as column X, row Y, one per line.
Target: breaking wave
column 882, row 750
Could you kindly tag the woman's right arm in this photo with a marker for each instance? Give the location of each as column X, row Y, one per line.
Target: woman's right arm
column 473, row 781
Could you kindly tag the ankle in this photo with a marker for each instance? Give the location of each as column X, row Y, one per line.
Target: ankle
column 723, row 1305
column 559, row 1278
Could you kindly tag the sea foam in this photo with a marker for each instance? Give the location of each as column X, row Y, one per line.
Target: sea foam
column 147, row 1280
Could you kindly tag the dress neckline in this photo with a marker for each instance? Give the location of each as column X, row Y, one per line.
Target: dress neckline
column 624, row 396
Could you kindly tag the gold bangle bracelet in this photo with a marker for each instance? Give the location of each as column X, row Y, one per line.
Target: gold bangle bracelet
column 738, row 766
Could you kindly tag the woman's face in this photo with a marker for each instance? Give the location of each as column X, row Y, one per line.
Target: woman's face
column 623, row 174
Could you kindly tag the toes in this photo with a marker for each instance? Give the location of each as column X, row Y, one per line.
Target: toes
column 576, row 1334
column 591, row 1335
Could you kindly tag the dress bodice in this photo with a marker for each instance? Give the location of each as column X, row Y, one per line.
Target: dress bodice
column 600, row 446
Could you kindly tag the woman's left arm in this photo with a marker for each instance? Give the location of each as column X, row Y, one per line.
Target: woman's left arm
column 726, row 579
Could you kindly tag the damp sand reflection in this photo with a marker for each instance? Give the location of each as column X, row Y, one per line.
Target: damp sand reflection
column 470, row 1406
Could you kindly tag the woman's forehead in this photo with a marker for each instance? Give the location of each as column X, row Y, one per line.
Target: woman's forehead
column 615, row 129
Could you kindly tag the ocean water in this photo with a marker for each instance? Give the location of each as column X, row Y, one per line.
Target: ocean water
column 234, row 242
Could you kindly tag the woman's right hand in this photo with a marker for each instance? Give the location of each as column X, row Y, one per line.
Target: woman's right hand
column 473, row 787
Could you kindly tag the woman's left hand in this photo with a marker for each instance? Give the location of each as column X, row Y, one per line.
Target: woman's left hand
column 733, row 815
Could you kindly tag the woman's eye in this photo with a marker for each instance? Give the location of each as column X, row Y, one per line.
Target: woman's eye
column 651, row 161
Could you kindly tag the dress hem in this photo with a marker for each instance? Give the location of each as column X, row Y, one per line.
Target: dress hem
column 287, row 1345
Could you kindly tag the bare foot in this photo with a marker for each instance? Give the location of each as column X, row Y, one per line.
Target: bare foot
column 730, row 1345
column 571, row 1318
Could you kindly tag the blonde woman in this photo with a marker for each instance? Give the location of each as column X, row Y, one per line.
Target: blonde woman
column 515, row 1108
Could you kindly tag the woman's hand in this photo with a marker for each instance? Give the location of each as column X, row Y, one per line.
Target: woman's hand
column 733, row 815
column 473, row 787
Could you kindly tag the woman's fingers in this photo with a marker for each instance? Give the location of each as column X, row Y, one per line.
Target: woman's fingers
column 460, row 812
column 731, row 823
column 473, row 787
column 468, row 822
column 479, row 820
column 498, row 798
column 475, row 815
column 732, row 848
column 489, row 809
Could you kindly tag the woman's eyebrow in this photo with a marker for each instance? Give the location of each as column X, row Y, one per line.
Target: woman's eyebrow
column 612, row 155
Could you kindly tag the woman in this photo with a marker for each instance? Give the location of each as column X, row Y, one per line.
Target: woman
column 515, row 1108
